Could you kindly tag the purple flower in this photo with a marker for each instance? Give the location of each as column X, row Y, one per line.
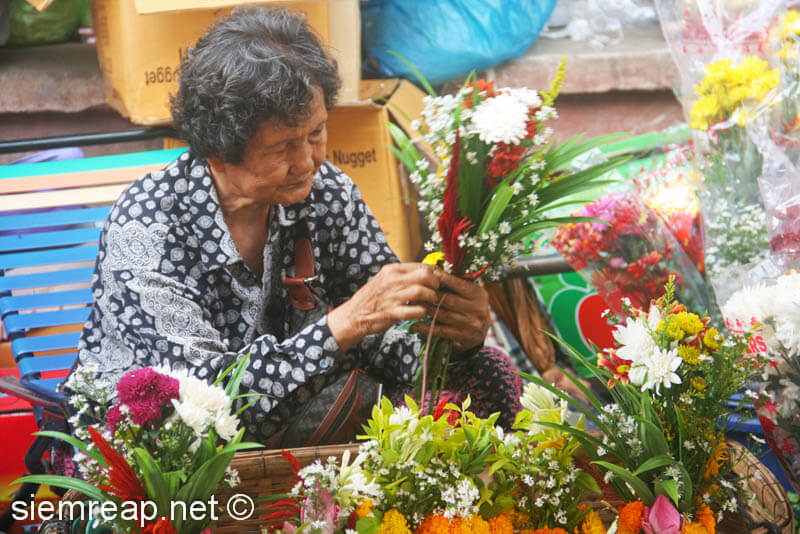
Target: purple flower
column 146, row 393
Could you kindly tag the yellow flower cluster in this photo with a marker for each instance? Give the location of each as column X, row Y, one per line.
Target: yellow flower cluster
column 592, row 524
column 394, row 522
column 679, row 325
column 727, row 88
column 790, row 34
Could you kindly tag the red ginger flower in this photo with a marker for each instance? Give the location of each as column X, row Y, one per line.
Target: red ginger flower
column 163, row 526
column 122, row 480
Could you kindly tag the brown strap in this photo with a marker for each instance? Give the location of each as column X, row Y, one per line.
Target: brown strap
column 299, row 292
column 343, row 417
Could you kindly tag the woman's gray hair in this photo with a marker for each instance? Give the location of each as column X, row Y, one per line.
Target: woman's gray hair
column 257, row 64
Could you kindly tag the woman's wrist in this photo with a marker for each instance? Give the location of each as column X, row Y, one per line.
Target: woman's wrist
column 342, row 328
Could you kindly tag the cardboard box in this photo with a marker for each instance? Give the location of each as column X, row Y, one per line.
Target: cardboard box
column 358, row 143
column 140, row 44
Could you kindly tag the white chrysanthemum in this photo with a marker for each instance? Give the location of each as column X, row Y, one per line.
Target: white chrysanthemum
column 500, row 119
column 661, row 370
column 787, row 312
column 636, row 342
column 529, row 97
column 226, row 424
column 193, row 416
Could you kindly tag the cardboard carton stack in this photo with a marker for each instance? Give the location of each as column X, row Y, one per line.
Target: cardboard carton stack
column 139, row 47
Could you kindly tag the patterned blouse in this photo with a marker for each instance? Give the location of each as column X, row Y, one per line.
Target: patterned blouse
column 171, row 288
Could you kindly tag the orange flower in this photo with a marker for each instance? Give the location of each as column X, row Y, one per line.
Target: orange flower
column 630, row 518
column 694, row 528
column 163, row 526
column 592, row 524
column 434, row 524
column 545, row 530
column 364, row 508
column 716, row 461
column 706, row 517
column 502, row 524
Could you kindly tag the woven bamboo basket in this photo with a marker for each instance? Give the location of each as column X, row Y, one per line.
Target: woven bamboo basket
column 264, row 473
column 768, row 513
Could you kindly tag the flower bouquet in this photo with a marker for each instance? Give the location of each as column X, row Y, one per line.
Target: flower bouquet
column 497, row 177
column 446, row 472
column 154, row 459
column 771, row 312
column 662, row 440
column 630, row 256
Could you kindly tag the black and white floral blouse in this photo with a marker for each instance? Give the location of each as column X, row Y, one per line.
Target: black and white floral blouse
column 171, row 288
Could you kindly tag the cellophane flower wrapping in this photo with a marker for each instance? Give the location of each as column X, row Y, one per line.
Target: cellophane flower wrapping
column 630, row 258
column 730, row 87
column 769, row 311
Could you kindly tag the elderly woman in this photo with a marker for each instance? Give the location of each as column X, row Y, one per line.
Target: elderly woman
column 193, row 258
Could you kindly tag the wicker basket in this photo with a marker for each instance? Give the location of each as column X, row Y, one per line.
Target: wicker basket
column 265, row 473
column 769, row 513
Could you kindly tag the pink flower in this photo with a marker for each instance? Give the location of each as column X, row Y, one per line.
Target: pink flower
column 114, row 416
column 322, row 509
column 146, row 393
column 662, row 518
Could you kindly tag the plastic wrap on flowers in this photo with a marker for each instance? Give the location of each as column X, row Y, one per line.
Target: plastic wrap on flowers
column 769, row 311
column 729, row 80
column 670, row 188
column 632, row 256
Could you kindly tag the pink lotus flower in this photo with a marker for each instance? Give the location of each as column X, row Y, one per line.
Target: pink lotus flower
column 662, row 518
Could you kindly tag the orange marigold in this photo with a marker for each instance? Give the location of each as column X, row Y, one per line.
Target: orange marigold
column 501, row 524
column 545, row 530
column 716, row 462
column 592, row 524
column 394, row 522
column 434, row 524
column 706, row 517
column 364, row 508
column 694, row 528
column 630, row 518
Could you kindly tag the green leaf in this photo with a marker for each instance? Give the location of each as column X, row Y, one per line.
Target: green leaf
column 668, row 488
column 654, row 463
column 574, row 147
column 579, row 181
column 156, row 486
column 586, row 481
column 653, row 438
column 368, row 525
column 75, row 442
column 503, row 194
column 61, row 481
column 639, row 487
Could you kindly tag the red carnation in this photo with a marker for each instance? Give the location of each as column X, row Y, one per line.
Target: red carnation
column 147, row 393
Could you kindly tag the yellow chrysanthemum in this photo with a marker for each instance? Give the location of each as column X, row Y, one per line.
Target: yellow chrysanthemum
column 434, row 524
column 592, row 524
column 395, row 522
column 434, row 258
column 711, row 338
column 699, row 384
column 728, row 88
column 689, row 354
column 364, row 508
column 557, row 444
column 688, row 322
column 501, row 524
column 791, row 24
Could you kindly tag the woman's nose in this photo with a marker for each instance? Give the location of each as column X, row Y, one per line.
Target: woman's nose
column 303, row 158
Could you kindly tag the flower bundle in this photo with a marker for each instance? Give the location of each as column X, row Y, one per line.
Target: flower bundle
column 670, row 379
column 446, row 472
column 772, row 313
column 497, row 174
column 631, row 255
column 168, row 440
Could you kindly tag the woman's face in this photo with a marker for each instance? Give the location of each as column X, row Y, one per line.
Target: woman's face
column 279, row 161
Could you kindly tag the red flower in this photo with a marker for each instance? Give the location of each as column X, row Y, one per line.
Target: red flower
column 147, row 393
column 501, row 162
column 452, row 415
column 608, row 359
column 483, row 87
column 451, row 224
column 122, row 480
column 162, row 526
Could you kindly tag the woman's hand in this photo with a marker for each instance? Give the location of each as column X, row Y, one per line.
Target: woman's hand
column 399, row 292
column 463, row 314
